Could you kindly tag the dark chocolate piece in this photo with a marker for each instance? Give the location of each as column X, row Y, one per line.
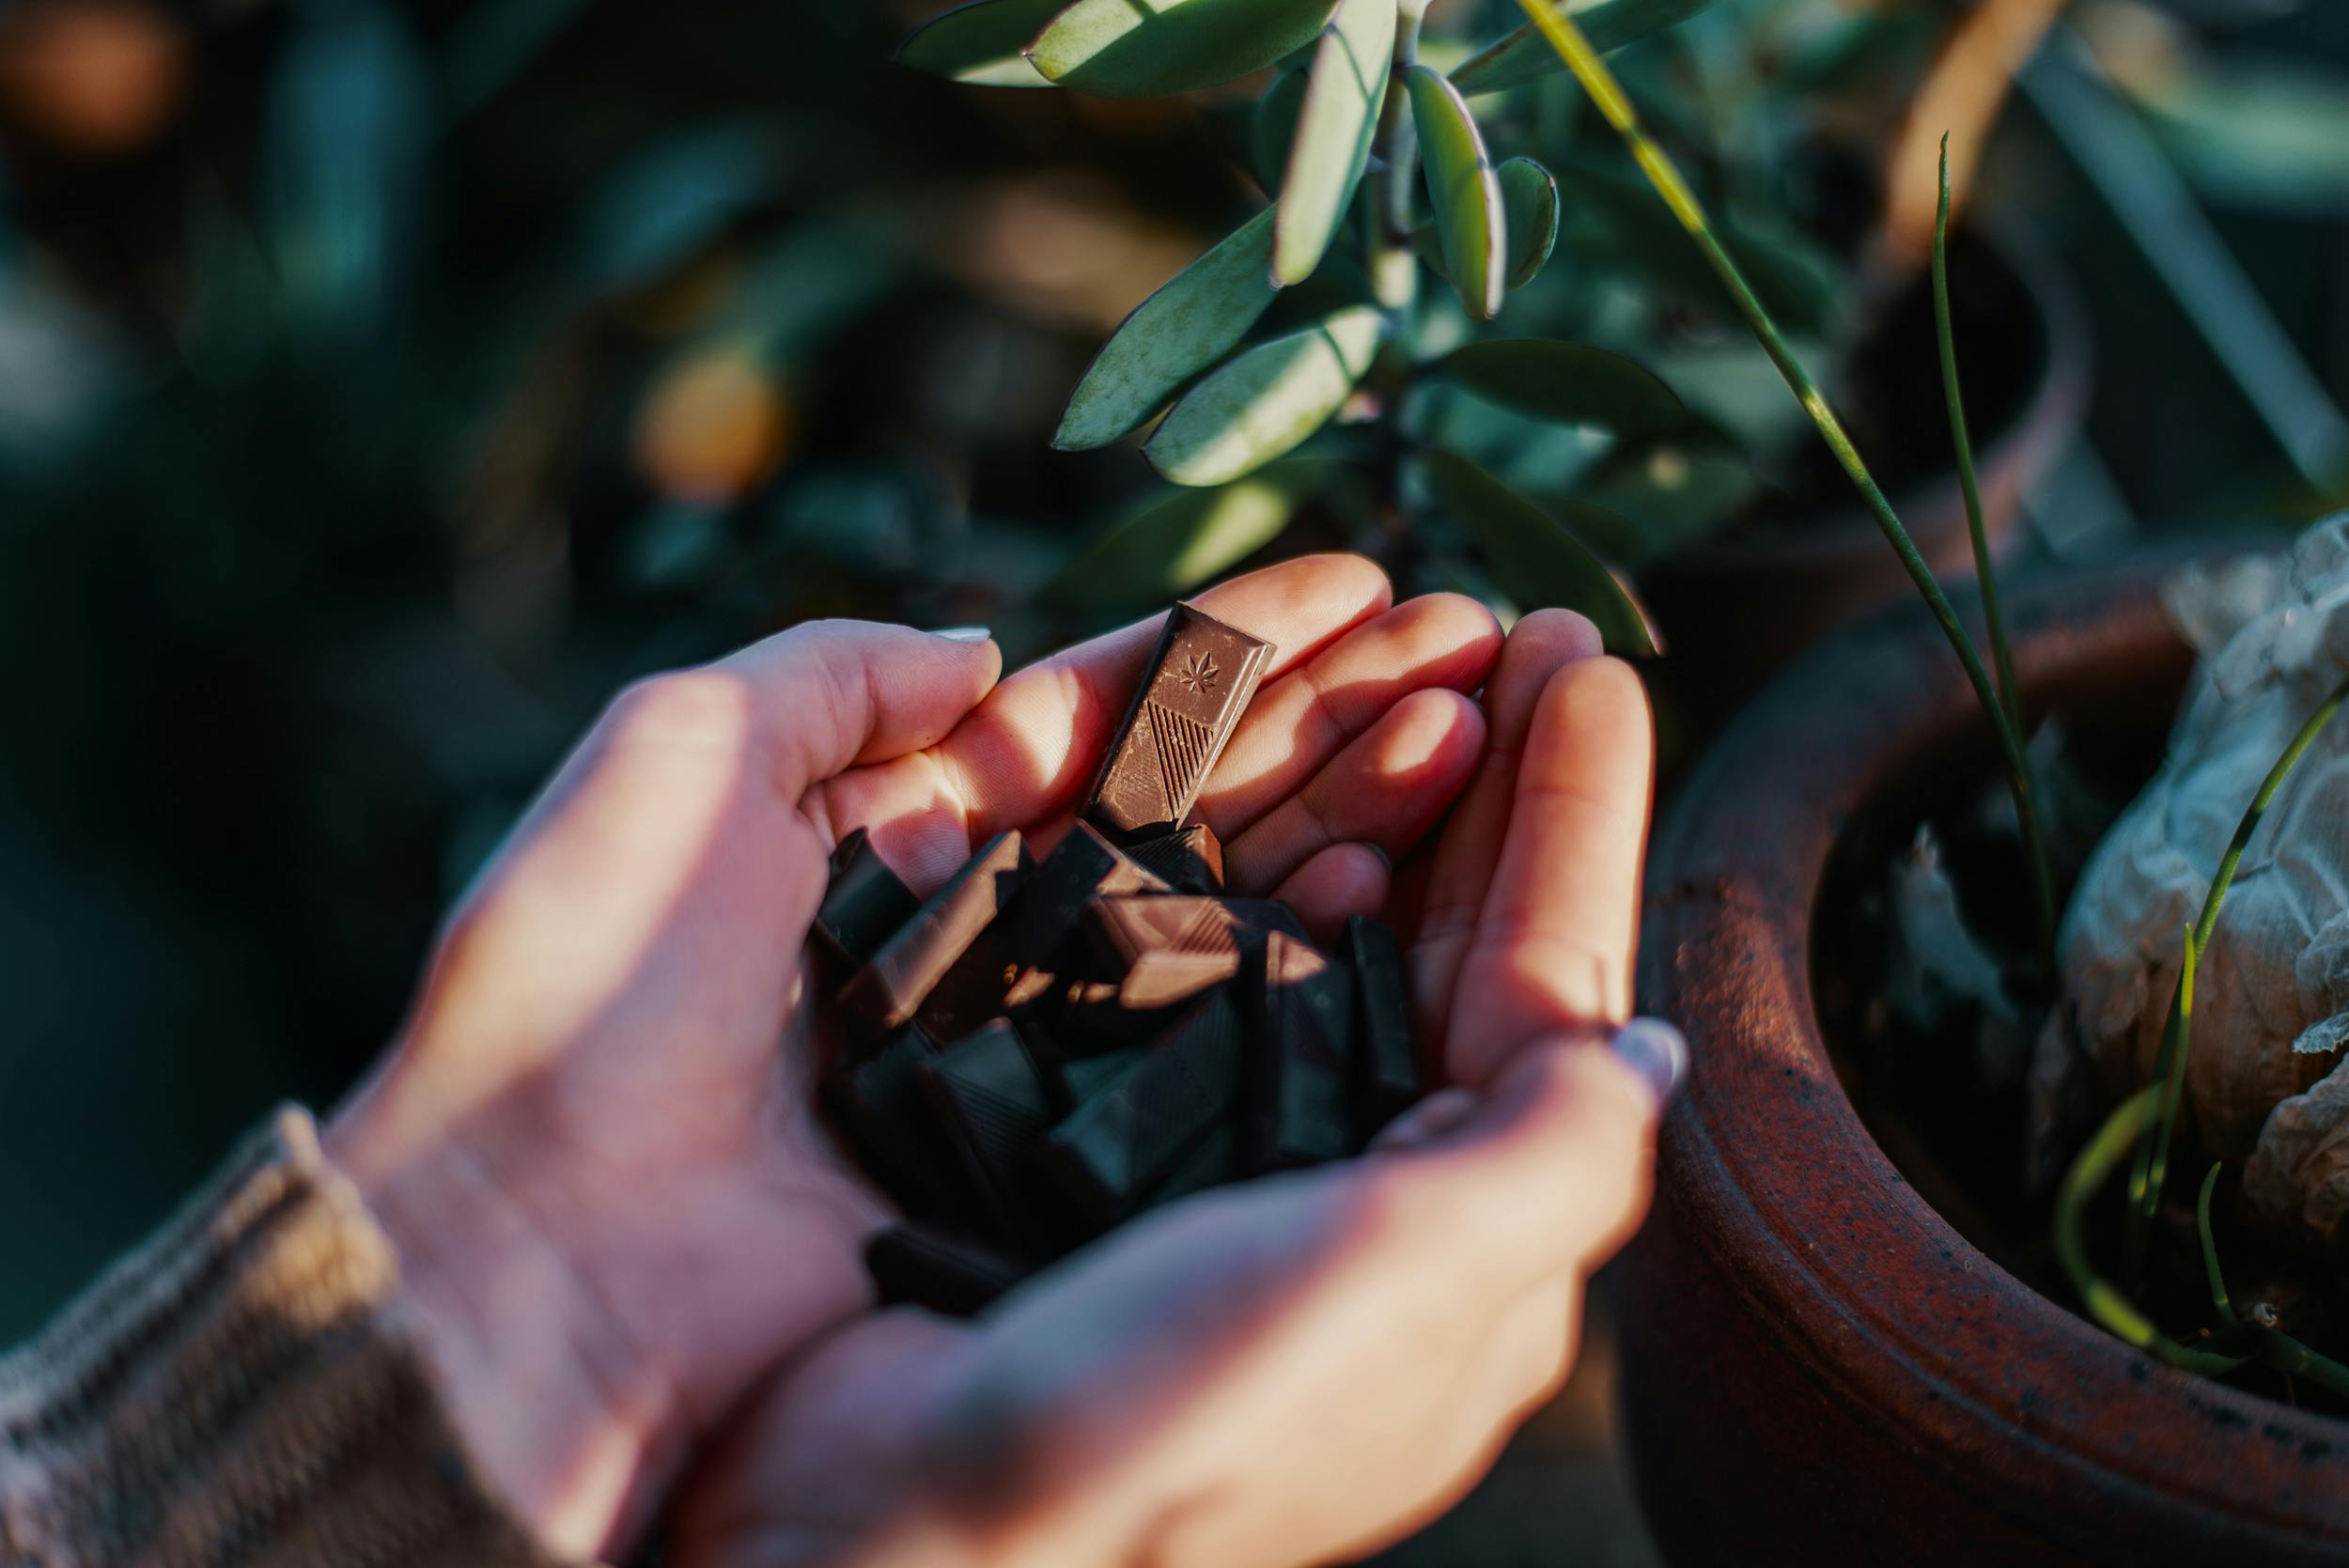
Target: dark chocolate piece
column 1302, row 1100
column 996, row 1103
column 879, row 1103
column 864, row 903
column 1126, row 1139
column 1086, row 1018
column 1167, row 950
column 923, row 1266
column 1190, row 859
column 1215, row 1162
column 1189, row 700
column 1386, row 1058
column 1022, row 954
column 891, row 988
column 1084, row 1076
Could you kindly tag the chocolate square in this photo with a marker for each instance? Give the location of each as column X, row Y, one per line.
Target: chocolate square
column 1215, row 1162
column 1198, row 683
column 926, row 1265
column 864, row 903
column 1386, row 1058
column 1166, row 950
column 995, row 1103
column 1300, row 1105
column 891, row 988
column 1190, row 859
column 1128, row 1137
column 878, row 1103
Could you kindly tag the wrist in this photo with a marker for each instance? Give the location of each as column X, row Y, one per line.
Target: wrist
column 566, row 1421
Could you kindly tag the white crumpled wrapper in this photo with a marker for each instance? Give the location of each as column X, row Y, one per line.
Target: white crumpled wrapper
column 2271, row 996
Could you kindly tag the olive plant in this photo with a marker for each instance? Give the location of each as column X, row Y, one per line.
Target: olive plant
column 1381, row 178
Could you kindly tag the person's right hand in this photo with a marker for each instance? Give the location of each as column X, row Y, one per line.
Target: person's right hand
column 1305, row 1366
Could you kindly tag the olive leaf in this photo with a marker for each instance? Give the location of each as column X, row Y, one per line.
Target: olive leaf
column 980, row 43
column 1195, row 320
column 1535, row 554
column 1176, row 540
column 1267, row 400
column 1152, row 47
column 1525, row 55
column 1572, row 383
column 1272, row 130
column 1334, row 126
column 1530, row 207
column 1465, row 192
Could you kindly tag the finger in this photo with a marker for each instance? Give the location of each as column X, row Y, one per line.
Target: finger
column 1297, row 724
column 1552, row 945
column 1343, row 881
column 1539, row 646
column 1035, row 742
column 1388, row 788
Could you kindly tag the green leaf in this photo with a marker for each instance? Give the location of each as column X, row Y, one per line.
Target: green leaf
column 1152, row 47
column 1525, row 55
column 1179, row 539
column 1465, row 192
column 2260, row 132
column 1267, row 400
column 1273, row 131
column 1529, row 200
column 1537, row 555
column 1334, row 128
column 981, row 43
column 1195, row 320
column 1572, row 383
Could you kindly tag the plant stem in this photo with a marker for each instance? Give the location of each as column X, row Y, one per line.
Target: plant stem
column 2152, row 1164
column 1394, row 266
column 2217, row 1275
column 1985, row 570
column 1581, row 58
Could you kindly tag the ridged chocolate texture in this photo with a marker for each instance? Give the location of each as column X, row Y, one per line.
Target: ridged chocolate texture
column 1190, row 859
column 1020, row 955
column 1168, row 948
column 1132, row 1135
column 892, row 987
column 995, row 1101
column 1386, row 1059
column 1198, row 683
column 1214, row 1162
column 1301, row 1110
column 878, row 1101
column 923, row 1266
column 864, row 902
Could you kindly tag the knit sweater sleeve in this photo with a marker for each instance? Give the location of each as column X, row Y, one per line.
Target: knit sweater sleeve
column 236, row 1393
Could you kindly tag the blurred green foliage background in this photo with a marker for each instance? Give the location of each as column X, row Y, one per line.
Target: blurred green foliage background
column 383, row 385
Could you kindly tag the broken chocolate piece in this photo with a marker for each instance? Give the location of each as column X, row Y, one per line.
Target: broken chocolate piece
column 995, row 1100
column 1302, row 1100
column 864, row 902
column 1386, row 1061
column 878, row 1102
column 1214, row 1163
column 892, row 985
column 1190, row 701
column 1190, row 859
column 1167, row 950
column 923, row 1266
column 1081, row 1078
column 1086, row 1018
column 1126, row 1139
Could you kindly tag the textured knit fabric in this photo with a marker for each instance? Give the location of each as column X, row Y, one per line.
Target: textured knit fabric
column 233, row 1396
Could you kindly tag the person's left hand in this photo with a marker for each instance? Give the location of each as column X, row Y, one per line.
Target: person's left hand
column 593, row 1142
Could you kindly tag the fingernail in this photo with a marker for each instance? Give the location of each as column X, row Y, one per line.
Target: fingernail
column 1385, row 859
column 1427, row 1121
column 964, row 633
column 1654, row 1051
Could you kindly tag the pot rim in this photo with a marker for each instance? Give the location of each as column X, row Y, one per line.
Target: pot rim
column 1764, row 1163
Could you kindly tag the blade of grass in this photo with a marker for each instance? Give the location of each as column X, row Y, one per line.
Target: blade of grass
column 2152, row 1163
column 1985, row 570
column 2210, row 1250
column 1599, row 81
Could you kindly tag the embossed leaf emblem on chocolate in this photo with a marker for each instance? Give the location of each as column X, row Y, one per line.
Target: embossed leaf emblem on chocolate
column 1198, row 673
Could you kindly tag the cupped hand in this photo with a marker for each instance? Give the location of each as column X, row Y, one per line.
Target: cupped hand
column 593, row 1139
column 1302, row 1367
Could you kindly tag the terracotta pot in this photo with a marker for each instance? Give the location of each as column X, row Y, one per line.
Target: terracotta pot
column 1817, row 1368
column 1738, row 605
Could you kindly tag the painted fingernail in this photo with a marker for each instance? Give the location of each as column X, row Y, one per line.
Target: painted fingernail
column 963, row 633
column 1654, row 1051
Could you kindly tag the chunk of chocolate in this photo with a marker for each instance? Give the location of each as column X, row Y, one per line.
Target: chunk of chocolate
column 1126, row 1139
column 996, row 1103
column 1302, row 1100
column 1166, row 950
column 864, row 903
column 1189, row 700
column 878, row 1103
column 1214, row 1162
column 1080, row 1078
column 1190, row 859
column 892, row 987
column 1086, row 1018
column 1386, row 1058
column 926, row 1265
